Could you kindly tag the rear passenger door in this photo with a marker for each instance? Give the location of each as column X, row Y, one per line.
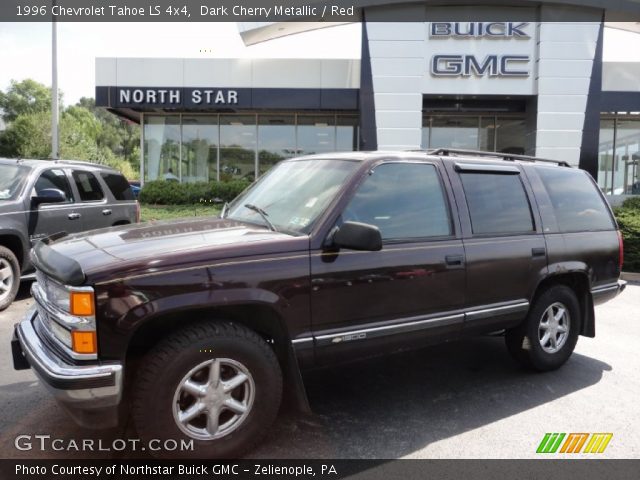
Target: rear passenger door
column 92, row 200
column 122, row 207
column 504, row 246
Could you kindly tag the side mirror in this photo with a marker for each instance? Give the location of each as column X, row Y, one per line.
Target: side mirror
column 358, row 236
column 49, row 195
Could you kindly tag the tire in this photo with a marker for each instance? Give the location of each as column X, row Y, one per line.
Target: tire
column 528, row 343
column 9, row 277
column 176, row 376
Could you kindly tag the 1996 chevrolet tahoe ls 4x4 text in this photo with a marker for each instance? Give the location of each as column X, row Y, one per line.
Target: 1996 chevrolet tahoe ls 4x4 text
column 197, row 328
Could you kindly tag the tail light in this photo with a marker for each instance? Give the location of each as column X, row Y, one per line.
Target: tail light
column 621, row 248
column 137, row 211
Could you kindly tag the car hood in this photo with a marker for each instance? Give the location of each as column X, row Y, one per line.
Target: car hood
column 118, row 252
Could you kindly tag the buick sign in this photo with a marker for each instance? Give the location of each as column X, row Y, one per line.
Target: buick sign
column 478, row 29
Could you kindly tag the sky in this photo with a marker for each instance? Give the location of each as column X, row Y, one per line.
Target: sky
column 25, row 48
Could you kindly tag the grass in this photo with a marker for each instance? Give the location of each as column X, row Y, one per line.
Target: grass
column 168, row 212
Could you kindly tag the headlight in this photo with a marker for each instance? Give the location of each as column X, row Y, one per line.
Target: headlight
column 70, row 315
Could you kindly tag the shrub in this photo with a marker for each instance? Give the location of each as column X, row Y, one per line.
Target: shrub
column 162, row 192
column 628, row 216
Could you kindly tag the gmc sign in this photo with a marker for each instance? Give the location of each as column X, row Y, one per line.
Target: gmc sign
column 491, row 65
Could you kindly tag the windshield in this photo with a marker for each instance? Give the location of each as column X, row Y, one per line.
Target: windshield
column 12, row 178
column 293, row 194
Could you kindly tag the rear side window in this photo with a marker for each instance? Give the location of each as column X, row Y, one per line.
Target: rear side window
column 404, row 200
column 497, row 204
column 88, row 186
column 576, row 201
column 118, row 185
column 54, row 178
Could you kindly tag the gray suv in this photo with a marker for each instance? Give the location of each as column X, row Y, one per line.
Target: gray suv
column 39, row 198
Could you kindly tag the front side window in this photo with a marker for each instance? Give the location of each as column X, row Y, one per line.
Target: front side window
column 293, row 194
column 497, row 204
column 404, row 200
column 88, row 186
column 12, row 180
column 54, row 178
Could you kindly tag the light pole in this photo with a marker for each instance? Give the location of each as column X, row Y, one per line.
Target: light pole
column 54, row 86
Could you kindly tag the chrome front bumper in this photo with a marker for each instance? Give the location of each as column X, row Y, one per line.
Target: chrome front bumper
column 91, row 393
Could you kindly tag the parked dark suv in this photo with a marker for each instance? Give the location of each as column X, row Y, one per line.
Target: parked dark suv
column 198, row 327
column 39, row 198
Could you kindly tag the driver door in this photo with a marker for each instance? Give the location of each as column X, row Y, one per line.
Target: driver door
column 409, row 293
column 49, row 218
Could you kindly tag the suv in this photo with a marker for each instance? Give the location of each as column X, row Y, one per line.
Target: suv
column 197, row 328
column 39, row 198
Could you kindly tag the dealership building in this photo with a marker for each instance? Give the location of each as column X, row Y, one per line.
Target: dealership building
column 522, row 79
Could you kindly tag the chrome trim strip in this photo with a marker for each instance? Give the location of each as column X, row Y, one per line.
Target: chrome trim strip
column 417, row 323
column 604, row 289
column 302, row 340
column 502, row 310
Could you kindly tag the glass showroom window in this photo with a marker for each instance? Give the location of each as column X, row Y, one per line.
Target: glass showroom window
column 510, row 135
column 347, row 133
column 605, row 155
column 161, row 147
column 628, row 155
column 316, row 134
column 199, row 148
column 484, row 132
column 454, row 131
column 276, row 140
column 206, row 147
column 238, row 135
column 619, row 155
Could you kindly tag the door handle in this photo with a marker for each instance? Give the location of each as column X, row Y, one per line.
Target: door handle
column 538, row 252
column 454, row 260
column 106, row 211
column 73, row 216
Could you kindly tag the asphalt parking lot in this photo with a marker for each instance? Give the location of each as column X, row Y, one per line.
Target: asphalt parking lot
column 460, row 400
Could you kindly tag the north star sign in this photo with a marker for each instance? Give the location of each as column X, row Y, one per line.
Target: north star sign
column 174, row 97
column 492, row 65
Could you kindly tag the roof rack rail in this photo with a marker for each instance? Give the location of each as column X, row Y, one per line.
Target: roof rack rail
column 504, row 156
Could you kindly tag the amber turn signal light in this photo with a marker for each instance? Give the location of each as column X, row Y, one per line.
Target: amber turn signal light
column 84, row 341
column 82, row 304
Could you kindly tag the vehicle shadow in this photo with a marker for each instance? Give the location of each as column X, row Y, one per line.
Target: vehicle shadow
column 25, row 290
column 393, row 406
column 381, row 408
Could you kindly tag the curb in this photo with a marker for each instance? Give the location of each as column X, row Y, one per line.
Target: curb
column 631, row 277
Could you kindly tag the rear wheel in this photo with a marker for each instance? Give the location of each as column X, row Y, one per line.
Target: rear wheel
column 216, row 384
column 548, row 336
column 9, row 277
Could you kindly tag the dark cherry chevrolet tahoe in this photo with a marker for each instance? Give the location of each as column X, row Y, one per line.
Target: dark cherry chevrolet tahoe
column 198, row 328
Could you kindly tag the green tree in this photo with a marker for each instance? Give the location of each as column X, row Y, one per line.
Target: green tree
column 27, row 96
column 28, row 136
column 86, row 132
column 121, row 136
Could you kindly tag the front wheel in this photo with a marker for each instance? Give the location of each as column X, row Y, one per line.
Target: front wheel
column 215, row 385
column 9, row 277
column 548, row 336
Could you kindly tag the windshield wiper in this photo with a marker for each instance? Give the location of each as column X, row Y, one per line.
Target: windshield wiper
column 225, row 210
column 263, row 214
